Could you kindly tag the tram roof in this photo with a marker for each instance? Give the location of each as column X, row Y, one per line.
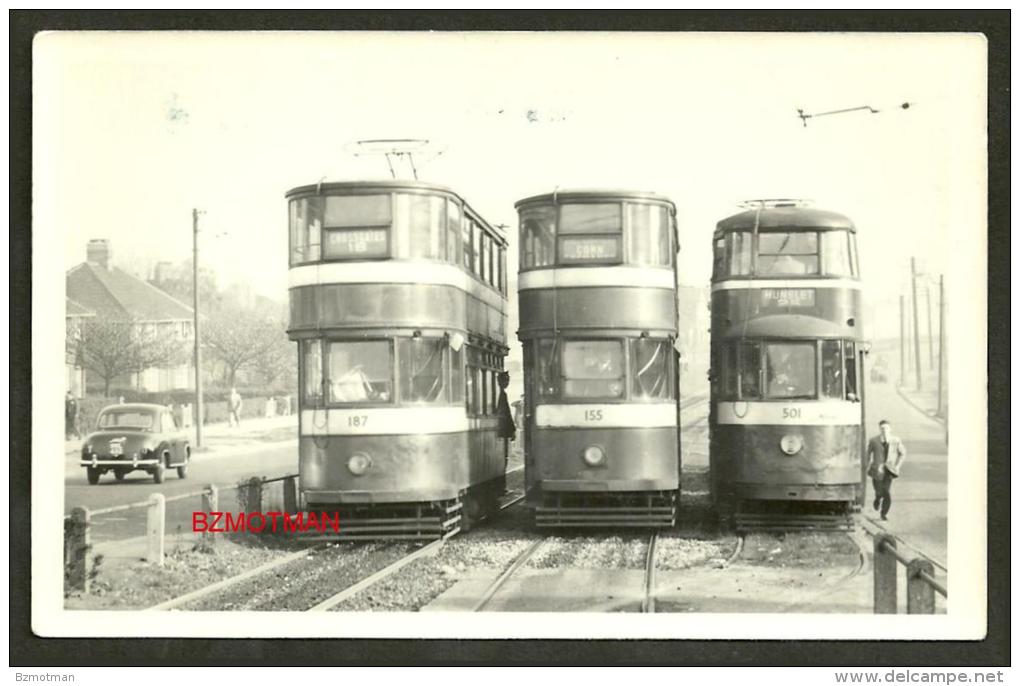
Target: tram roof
column 389, row 186
column 786, row 218
column 788, row 326
column 594, row 195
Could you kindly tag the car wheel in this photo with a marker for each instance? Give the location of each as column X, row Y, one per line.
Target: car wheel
column 119, row 474
column 93, row 476
column 182, row 471
column 157, row 474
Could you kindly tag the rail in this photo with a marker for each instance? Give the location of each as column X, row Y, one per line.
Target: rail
column 921, row 582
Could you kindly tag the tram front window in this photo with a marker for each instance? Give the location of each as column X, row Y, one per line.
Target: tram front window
column 790, row 370
column 590, row 233
column 648, row 230
column 356, row 227
column 360, row 371
column 650, row 359
column 832, row 369
column 593, row 369
column 538, row 232
column 788, row 254
column 419, row 226
column 546, row 368
column 311, row 360
column 836, row 253
column 421, row 370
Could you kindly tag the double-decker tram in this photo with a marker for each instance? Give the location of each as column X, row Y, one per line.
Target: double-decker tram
column 398, row 307
column 786, row 416
column 598, row 320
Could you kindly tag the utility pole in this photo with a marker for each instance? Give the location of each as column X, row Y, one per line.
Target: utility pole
column 917, row 328
column 198, row 338
column 931, row 339
column 903, row 344
column 942, row 338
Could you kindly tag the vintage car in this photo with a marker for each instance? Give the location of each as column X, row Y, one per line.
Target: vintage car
column 135, row 436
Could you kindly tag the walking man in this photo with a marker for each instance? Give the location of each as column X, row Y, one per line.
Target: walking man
column 885, row 457
column 235, row 407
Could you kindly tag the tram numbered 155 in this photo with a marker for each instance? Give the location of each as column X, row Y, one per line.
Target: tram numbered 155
column 787, row 413
column 398, row 306
column 598, row 321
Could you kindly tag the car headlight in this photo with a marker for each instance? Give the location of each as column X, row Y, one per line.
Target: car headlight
column 359, row 463
column 593, row 456
column 791, row 444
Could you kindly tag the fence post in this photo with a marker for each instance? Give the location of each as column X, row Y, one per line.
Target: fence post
column 884, row 561
column 920, row 594
column 155, row 529
column 290, row 494
column 210, row 503
column 252, row 499
column 77, row 563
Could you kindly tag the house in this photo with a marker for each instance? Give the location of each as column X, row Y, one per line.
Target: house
column 101, row 288
column 74, row 377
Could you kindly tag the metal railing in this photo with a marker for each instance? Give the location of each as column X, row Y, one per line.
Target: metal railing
column 921, row 582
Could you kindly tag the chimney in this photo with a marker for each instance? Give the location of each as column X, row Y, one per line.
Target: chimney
column 98, row 252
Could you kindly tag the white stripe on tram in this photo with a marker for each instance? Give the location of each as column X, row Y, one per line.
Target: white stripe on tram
column 578, row 277
column 738, row 284
column 391, row 271
column 387, row 421
column 602, row 416
column 792, row 413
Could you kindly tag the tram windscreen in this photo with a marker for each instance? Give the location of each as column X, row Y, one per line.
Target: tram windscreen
column 311, row 361
column 790, row 370
column 422, row 371
column 360, row 371
column 788, row 254
column 651, row 369
column 593, row 369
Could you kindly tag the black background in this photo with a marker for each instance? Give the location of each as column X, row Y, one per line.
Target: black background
column 27, row 649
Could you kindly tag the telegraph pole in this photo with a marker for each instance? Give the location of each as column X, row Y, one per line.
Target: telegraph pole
column 198, row 344
column 942, row 338
column 903, row 344
column 917, row 328
column 931, row 339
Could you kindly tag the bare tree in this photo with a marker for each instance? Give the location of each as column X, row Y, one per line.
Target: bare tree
column 238, row 338
column 277, row 362
column 111, row 347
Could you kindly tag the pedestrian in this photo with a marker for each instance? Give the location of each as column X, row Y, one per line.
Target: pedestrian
column 885, row 458
column 70, row 417
column 235, row 408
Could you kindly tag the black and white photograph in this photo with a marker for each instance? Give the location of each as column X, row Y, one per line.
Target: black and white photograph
column 509, row 335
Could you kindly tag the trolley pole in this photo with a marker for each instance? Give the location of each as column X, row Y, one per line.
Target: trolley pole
column 903, row 343
column 917, row 328
column 198, row 338
column 942, row 339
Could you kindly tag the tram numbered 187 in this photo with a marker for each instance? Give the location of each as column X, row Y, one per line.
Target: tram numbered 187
column 398, row 306
column 787, row 410
column 598, row 321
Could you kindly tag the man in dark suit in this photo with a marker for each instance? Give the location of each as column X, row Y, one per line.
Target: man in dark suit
column 885, row 457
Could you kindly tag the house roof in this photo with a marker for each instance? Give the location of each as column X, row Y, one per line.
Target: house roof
column 76, row 309
column 114, row 292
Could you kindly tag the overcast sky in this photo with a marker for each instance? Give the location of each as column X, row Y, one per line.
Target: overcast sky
column 133, row 130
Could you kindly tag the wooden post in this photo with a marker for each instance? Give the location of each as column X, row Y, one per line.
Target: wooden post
column 920, row 594
column 252, row 495
column 290, row 495
column 210, row 503
column 917, row 328
column 155, row 530
column 903, row 344
column 885, row 574
column 77, row 562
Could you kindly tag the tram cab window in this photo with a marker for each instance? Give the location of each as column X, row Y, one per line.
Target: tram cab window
column 648, row 231
column 836, row 253
column 651, row 361
column 360, row 371
column 419, row 227
column 850, row 367
column 750, row 370
column 832, row 369
column 355, row 227
column 452, row 232
column 422, row 373
column 590, row 233
column 788, row 253
column 790, row 370
column 305, row 230
column 538, row 232
column 546, row 366
column 456, row 375
column 311, row 368
column 593, row 369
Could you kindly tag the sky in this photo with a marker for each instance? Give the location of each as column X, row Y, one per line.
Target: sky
column 133, row 130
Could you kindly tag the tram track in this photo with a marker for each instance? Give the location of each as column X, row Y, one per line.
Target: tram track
column 648, row 601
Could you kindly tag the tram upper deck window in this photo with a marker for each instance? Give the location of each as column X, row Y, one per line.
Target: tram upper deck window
column 648, row 232
column 651, row 361
column 788, row 253
column 360, row 371
column 419, row 227
column 305, row 230
column 452, row 232
column 836, row 253
column 356, row 227
column 311, row 365
column 422, row 372
column 593, row 369
column 590, row 233
column 738, row 253
column 538, row 235
column 790, row 370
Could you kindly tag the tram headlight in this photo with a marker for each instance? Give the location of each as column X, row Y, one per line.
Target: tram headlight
column 359, row 463
column 594, row 456
column 791, row 444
